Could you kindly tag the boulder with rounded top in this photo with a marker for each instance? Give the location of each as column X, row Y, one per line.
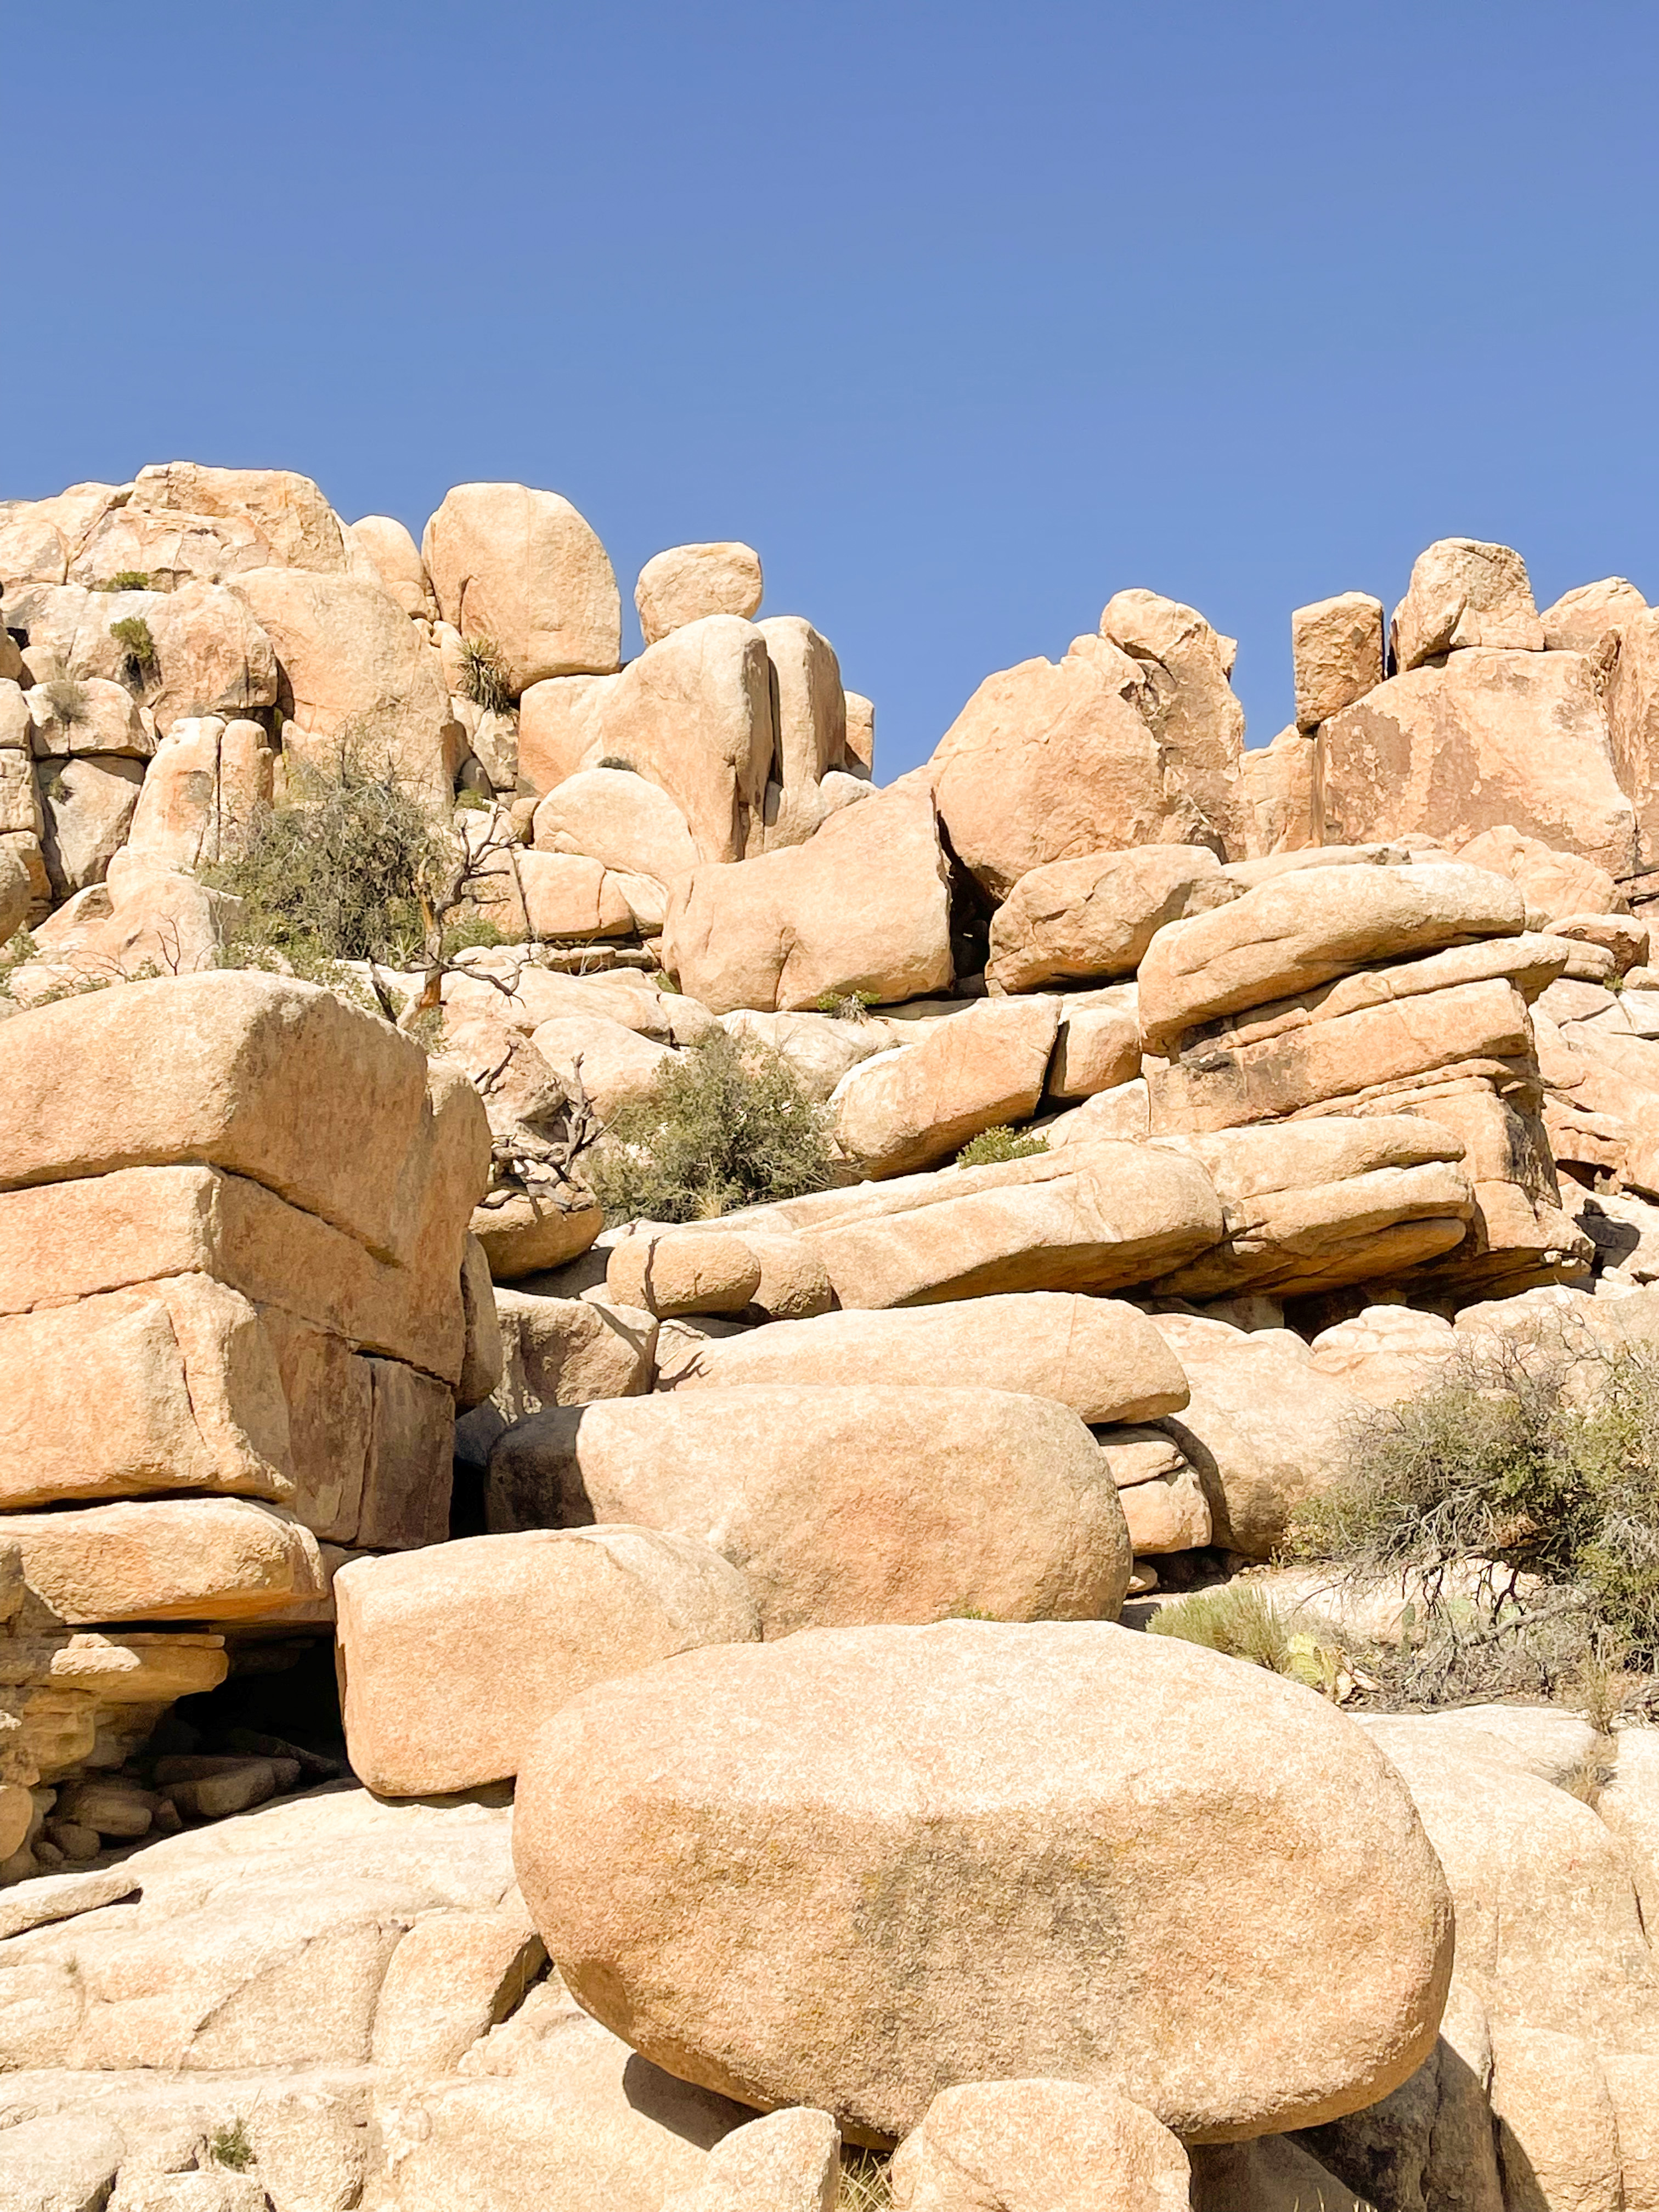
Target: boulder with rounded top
column 522, row 571
column 689, row 582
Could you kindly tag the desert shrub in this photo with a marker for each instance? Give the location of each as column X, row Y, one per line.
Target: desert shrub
column 485, row 677
column 1520, row 1495
column 846, row 1006
column 132, row 634
column 228, row 2146
column 728, row 1123
column 1001, row 1143
column 1242, row 1621
column 127, row 580
column 472, row 930
column 69, row 698
column 347, row 866
column 616, row 760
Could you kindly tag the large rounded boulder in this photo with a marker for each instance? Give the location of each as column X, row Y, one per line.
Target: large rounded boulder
column 857, row 1867
column 843, row 1506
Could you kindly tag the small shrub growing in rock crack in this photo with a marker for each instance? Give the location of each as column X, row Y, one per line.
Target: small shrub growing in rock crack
column 228, row 2146
column 69, row 698
column 616, row 760
column 345, row 868
column 727, row 1124
column 132, row 634
column 1002, row 1143
column 485, row 677
column 846, row 1006
column 127, row 580
column 1521, row 1494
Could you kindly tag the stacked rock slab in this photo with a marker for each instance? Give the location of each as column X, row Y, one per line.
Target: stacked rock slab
column 232, row 1216
column 1370, row 992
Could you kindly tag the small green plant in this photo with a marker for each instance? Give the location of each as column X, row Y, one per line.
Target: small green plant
column 69, row 699
column 728, row 1123
column 1241, row 1622
column 18, row 948
column 127, row 580
column 472, row 930
column 616, row 760
column 484, row 677
column 1002, row 1143
column 846, row 1006
column 228, row 2146
column 132, row 634
column 866, row 2186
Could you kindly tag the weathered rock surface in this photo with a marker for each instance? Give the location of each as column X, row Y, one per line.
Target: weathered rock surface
column 1265, row 1427
column 913, row 1108
column 522, row 569
column 452, row 1657
column 630, row 824
column 689, row 582
column 215, row 1558
column 1038, row 2146
column 1516, row 738
column 211, row 656
column 866, row 1502
column 1463, row 592
column 863, row 906
column 1097, row 915
column 1336, row 646
column 1098, row 1356
column 1188, row 700
column 1306, row 927
column 985, row 1846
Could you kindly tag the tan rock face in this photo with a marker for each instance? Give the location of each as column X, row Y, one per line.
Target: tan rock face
column 88, row 805
column 860, row 733
column 1304, row 928
column 1104, row 1359
column 189, row 1398
column 1463, row 592
column 85, row 715
column 630, row 824
column 217, row 1558
column 1633, row 726
column 202, row 791
column 913, row 1108
column 1096, row 1216
column 1336, row 646
column 869, row 1502
column 142, row 918
column 1581, row 618
column 1038, row 2146
column 397, row 558
column 863, row 907
column 568, row 1351
column 1097, row 1048
column 1264, row 1427
column 1190, row 708
column 810, row 713
column 452, row 1657
column 1314, row 1203
column 1022, row 1830
column 1096, row 916
column 687, row 1272
column 211, row 655
column 290, row 513
column 1048, row 761
column 1493, row 737
column 523, row 570
column 1552, row 883
column 360, row 674
column 566, row 897
column 789, row 2161
column 689, row 582
column 275, row 1079
column 16, row 896
column 523, row 1235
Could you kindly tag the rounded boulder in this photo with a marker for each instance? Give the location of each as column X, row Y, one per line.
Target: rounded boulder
column 858, row 1866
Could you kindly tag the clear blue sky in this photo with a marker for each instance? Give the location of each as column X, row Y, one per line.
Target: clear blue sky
column 966, row 316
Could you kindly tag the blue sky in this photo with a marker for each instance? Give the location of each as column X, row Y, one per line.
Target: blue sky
column 966, row 316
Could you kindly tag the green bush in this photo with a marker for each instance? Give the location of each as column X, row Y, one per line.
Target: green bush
column 1522, row 1495
column 727, row 1124
column 847, row 1006
column 127, row 580
column 349, row 866
column 228, row 2146
column 1001, row 1143
column 485, row 677
column 132, row 634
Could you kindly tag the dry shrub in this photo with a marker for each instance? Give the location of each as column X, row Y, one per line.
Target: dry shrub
column 728, row 1123
column 866, row 2183
column 1520, row 1495
column 1242, row 1621
column 1001, row 1143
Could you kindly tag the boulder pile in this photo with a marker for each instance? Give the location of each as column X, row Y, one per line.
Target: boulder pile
column 748, row 1764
